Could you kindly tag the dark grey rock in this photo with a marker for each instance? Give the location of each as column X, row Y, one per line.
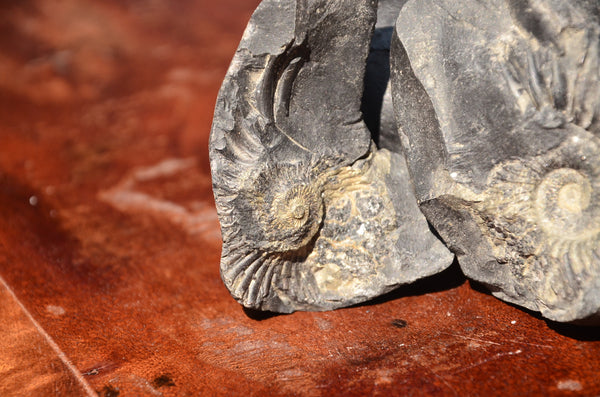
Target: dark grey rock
column 377, row 106
column 313, row 215
column 498, row 104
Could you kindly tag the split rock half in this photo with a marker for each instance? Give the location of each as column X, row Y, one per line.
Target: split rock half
column 498, row 104
column 313, row 215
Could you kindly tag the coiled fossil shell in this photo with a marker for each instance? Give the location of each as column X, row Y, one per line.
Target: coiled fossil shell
column 290, row 208
column 546, row 212
column 565, row 205
column 301, row 253
column 313, row 215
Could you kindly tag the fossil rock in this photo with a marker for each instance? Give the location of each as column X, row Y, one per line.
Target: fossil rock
column 313, row 215
column 498, row 104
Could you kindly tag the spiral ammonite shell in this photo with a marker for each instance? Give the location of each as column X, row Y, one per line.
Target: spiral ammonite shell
column 545, row 212
column 296, row 212
column 288, row 205
column 565, row 204
column 283, row 204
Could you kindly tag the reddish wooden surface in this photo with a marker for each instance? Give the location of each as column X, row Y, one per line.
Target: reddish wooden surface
column 109, row 243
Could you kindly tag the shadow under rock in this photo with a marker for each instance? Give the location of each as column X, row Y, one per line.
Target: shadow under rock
column 259, row 315
column 450, row 278
column 585, row 330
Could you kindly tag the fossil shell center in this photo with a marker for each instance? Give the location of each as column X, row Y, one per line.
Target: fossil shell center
column 562, row 198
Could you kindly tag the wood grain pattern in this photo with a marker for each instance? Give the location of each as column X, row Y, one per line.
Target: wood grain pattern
column 109, row 239
column 32, row 363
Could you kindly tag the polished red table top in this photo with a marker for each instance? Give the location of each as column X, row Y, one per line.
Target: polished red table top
column 109, row 241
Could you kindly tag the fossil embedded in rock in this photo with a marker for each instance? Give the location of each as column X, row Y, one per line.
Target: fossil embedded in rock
column 313, row 215
column 499, row 108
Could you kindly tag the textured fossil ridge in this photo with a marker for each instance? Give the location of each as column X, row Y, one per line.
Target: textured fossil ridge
column 314, row 216
column 498, row 104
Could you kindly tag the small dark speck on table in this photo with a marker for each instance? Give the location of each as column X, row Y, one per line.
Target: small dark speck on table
column 399, row 323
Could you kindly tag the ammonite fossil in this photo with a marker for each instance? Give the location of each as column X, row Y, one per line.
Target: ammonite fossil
column 313, row 214
column 498, row 103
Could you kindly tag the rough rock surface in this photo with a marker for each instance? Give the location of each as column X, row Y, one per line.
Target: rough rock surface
column 313, row 215
column 498, row 103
